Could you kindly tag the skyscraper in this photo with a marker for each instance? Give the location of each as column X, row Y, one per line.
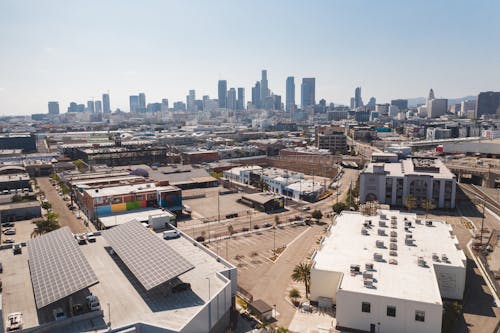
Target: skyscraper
column 90, row 106
column 402, row 104
column 190, row 101
column 222, row 93
column 256, row 100
column 290, row 93
column 164, row 105
column 142, row 101
column 231, row 99
column 105, row 103
column 53, row 108
column 431, row 95
column 264, row 89
column 98, row 106
column 358, row 101
column 134, row 103
column 488, row 103
column 308, row 92
column 241, row 99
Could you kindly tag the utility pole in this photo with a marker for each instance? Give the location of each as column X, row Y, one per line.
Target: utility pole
column 482, row 227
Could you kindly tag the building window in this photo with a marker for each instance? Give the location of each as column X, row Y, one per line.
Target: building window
column 419, row 315
column 365, row 307
column 391, row 311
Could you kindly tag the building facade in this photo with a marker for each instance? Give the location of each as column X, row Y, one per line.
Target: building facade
column 308, row 92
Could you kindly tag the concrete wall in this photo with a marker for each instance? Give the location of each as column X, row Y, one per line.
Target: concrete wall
column 349, row 314
column 451, row 280
column 324, row 284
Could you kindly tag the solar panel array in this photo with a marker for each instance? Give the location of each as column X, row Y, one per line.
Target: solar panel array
column 58, row 267
column 149, row 258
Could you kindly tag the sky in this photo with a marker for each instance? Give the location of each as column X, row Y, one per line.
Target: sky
column 76, row 50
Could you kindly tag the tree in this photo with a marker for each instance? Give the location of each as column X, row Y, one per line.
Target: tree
column 339, row 207
column 293, row 294
column 17, row 198
column 281, row 329
column 410, row 202
column 230, row 230
column 317, row 214
column 46, row 205
column 428, row 204
column 302, row 273
column 43, row 226
column 276, row 220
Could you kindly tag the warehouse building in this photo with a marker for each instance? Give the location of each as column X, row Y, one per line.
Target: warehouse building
column 388, row 272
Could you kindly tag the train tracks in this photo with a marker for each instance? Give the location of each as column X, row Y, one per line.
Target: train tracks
column 489, row 202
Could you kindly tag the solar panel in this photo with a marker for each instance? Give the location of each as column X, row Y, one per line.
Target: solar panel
column 149, row 258
column 58, row 267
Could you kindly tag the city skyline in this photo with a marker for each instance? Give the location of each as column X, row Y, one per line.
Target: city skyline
column 66, row 53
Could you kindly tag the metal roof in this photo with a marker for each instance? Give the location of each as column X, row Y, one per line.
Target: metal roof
column 151, row 260
column 58, row 267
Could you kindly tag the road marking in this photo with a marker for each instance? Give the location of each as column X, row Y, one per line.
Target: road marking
column 290, row 244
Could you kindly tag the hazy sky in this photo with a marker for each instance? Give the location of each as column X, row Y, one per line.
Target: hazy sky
column 75, row 50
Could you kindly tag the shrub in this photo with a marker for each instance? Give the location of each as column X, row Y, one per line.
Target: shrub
column 200, row 239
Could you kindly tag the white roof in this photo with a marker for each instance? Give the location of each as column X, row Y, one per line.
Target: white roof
column 406, row 167
column 125, row 189
column 138, row 215
column 345, row 245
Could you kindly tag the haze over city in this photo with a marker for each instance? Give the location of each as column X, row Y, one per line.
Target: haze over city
column 75, row 51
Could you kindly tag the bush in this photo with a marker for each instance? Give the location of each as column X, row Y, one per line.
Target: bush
column 200, row 239
column 46, row 205
column 244, row 229
column 339, row 207
column 17, row 198
column 256, row 227
column 317, row 214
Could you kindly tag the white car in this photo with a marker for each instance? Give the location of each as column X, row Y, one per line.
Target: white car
column 171, row 234
column 9, row 241
column 14, row 321
column 9, row 231
column 93, row 303
column 59, row 314
column 91, row 237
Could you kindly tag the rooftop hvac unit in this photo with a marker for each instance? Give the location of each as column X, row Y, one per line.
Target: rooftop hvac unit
column 393, row 246
column 378, row 256
column 409, row 241
column 379, row 244
column 369, row 266
column 393, row 217
column 394, row 240
column 393, row 261
column 405, row 219
column 408, row 236
column 428, row 223
column 435, row 257
column 418, row 221
column 444, row 257
column 355, row 268
column 368, row 282
column 364, row 231
column 394, row 234
column 381, row 232
column 393, row 253
column 421, row 261
column 367, row 275
column 407, row 223
column 383, row 216
column 382, row 223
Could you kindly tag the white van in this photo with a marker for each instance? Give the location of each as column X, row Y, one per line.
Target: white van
column 171, row 234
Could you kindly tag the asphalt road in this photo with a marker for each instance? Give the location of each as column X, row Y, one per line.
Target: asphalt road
column 66, row 216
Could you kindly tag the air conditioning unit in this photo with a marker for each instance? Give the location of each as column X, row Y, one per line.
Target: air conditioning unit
column 378, row 256
column 421, row 261
column 379, row 244
column 428, row 223
column 435, row 257
column 393, row 217
column 407, row 223
column 418, row 221
column 381, row 232
column 383, row 216
column 367, row 275
column 394, row 234
column 364, row 231
column 381, row 223
column 368, row 282
column 369, row 266
column 393, row 253
column 444, row 257
column 394, row 240
column 408, row 236
column 355, row 268
column 393, row 261
column 393, row 246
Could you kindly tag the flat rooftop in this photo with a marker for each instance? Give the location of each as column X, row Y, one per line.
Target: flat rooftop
column 345, row 245
column 129, row 302
column 126, row 189
column 414, row 166
column 141, row 215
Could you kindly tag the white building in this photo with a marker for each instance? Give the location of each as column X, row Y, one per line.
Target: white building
column 422, row 178
column 437, row 107
column 388, row 273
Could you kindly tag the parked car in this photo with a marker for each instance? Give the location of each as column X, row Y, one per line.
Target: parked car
column 306, row 208
column 91, row 237
column 181, row 287
column 9, row 241
column 59, row 314
column 17, row 249
column 80, row 238
column 267, row 225
column 9, row 231
column 7, row 224
column 14, row 321
column 1, row 267
column 93, row 303
column 171, row 234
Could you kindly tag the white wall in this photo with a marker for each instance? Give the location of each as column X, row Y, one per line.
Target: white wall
column 349, row 314
column 324, row 284
column 451, row 280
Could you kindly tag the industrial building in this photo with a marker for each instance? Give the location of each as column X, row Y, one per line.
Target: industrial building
column 263, row 202
column 24, row 141
column 141, row 282
column 418, row 177
column 331, row 138
column 388, row 272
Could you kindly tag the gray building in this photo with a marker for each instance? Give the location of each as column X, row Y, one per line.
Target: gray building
column 290, row 93
column 231, row 99
column 106, row 106
column 488, row 104
column 264, row 87
column 358, row 101
column 222, row 93
column 308, row 92
column 134, row 103
column 437, row 107
column 53, row 108
column 402, row 104
column 240, row 104
column 256, row 100
column 331, row 138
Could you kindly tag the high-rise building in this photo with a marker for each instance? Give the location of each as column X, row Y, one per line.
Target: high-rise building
column 488, row 103
column 264, row 88
column 358, row 101
column 256, row 100
column 371, row 103
column 351, row 104
column 241, row 99
column 431, row 95
column 231, row 99
column 134, row 103
column 290, row 93
column 53, row 108
column 277, row 102
column 90, row 106
column 468, row 108
column 106, row 106
column 437, row 107
column 308, row 92
column 164, row 105
column 190, row 101
column 98, row 106
column 222, row 93
column 142, row 101
column 402, row 104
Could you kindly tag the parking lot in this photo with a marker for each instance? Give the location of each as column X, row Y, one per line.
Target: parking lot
column 23, row 232
column 207, row 207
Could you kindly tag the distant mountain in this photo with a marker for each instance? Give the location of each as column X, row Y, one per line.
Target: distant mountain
column 412, row 102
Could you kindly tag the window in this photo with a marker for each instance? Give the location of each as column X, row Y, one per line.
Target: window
column 419, row 315
column 365, row 307
column 391, row 311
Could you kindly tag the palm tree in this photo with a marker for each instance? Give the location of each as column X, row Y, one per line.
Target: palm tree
column 302, row 273
column 428, row 204
column 43, row 226
column 410, row 202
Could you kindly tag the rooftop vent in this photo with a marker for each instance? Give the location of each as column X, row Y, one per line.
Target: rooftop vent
column 393, row 261
column 394, row 234
column 444, row 257
column 407, row 223
column 421, row 262
column 393, row 246
column 378, row 256
column 381, row 232
column 393, row 253
column 380, row 244
column 381, row 223
column 435, row 257
column 428, row 223
column 369, row 266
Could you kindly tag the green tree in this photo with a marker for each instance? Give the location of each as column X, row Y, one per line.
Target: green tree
column 339, row 207
column 230, row 230
column 80, row 165
column 43, row 226
column 410, row 202
column 302, row 273
column 17, row 198
column 293, row 294
column 317, row 214
column 281, row 329
column 428, row 204
column 276, row 220
column 46, row 205
column 64, row 189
